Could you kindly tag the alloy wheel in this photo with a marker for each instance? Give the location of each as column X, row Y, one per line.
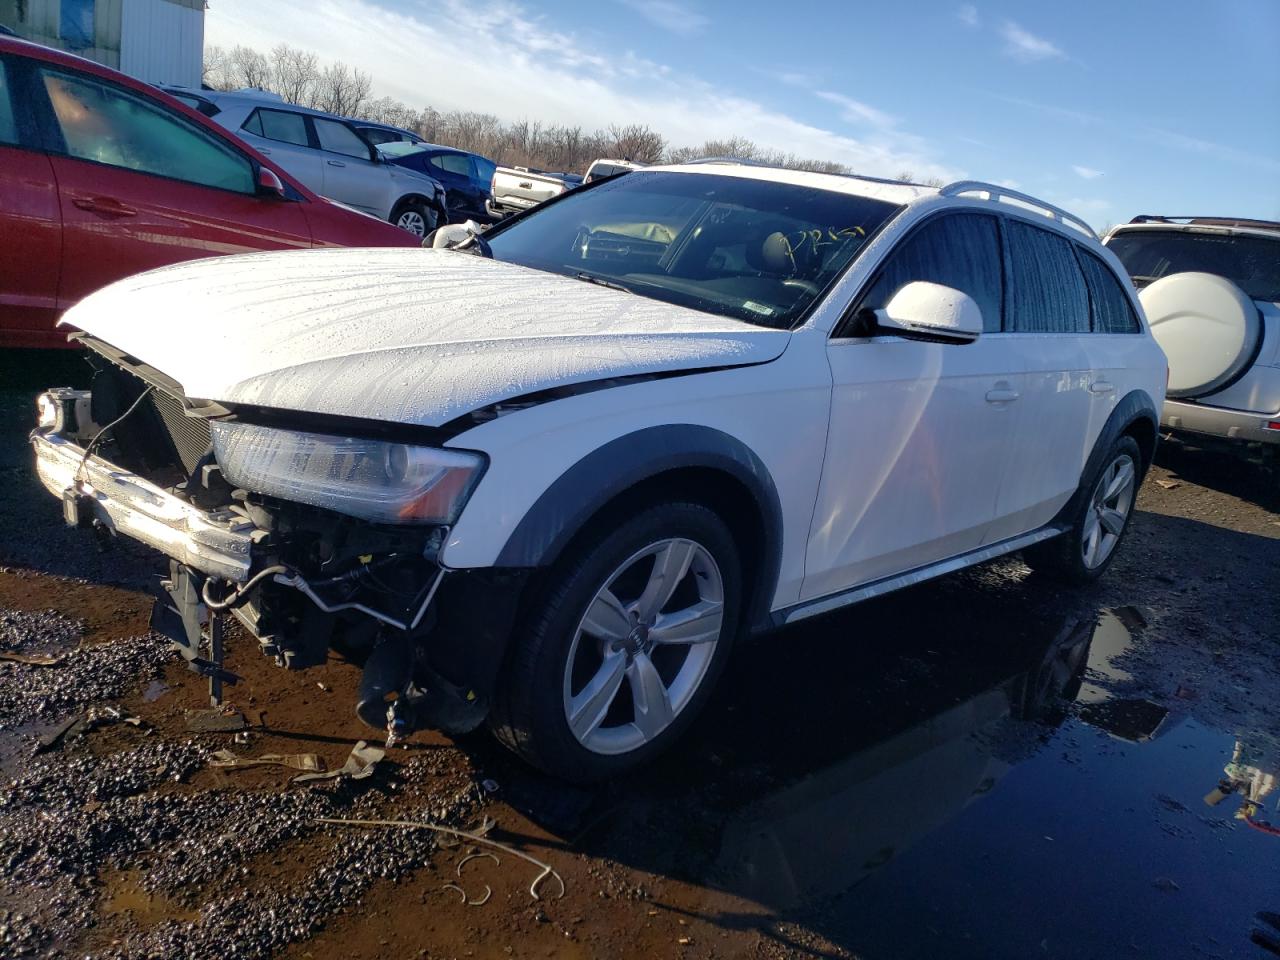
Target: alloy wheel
column 1108, row 510
column 643, row 646
column 414, row 222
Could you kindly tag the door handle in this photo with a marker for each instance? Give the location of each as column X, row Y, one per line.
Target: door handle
column 1002, row 395
column 335, row 163
column 1099, row 387
column 105, row 206
column 264, row 150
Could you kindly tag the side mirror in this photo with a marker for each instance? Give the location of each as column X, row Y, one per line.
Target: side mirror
column 929, row 311
column 269, row 185
column 459, row 236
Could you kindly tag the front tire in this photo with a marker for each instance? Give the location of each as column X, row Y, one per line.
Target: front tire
column 416, row 217
column 1099, row 521
column 623, row 644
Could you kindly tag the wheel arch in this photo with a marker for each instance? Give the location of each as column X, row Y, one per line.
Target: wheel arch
column 685, row 461
column 1135, row 415
column 433, row 202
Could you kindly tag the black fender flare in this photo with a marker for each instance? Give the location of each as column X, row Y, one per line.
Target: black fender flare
column 587, row 486
column 1133, row 406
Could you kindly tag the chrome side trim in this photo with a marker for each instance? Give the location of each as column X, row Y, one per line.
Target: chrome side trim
column 812, row 608
column 218, row 543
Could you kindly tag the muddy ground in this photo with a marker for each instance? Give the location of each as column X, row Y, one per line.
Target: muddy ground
column 984, row 766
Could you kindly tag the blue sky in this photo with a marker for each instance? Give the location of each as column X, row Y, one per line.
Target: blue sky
column 1108, row 108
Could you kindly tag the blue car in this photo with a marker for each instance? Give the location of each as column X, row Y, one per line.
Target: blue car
column 466, row 177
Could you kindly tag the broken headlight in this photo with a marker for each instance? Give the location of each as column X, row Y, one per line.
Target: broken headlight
column 377, row 480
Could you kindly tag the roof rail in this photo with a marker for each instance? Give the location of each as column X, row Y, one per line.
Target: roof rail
column 1208, row 221
column 997, row 193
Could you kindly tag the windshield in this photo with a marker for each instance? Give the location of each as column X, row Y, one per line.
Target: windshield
column 749, row 249
column 398, row 148
column 1251, row 263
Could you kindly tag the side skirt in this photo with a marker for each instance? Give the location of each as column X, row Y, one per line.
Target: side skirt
column 820, row 605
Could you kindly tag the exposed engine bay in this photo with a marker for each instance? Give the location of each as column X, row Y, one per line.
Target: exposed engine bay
column 301, row 579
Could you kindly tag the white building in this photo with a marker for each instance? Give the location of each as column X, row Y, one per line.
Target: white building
column 159, row 41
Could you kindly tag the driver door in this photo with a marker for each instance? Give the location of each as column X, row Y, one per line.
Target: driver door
column 920, row 433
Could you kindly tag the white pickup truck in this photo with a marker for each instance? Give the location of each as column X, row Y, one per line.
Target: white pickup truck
column 518, row 188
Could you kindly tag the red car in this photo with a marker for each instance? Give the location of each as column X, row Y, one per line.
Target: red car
column 102, row 176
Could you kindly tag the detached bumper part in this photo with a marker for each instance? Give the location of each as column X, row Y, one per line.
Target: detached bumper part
column 215, row 543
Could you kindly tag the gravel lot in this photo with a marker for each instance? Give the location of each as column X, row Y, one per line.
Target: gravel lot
column 984, row 766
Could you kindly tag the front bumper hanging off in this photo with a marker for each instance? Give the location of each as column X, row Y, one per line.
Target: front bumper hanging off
column 217, row 543
column 453, row 627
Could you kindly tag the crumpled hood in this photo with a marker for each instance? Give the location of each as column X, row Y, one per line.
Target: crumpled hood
column 408, row 335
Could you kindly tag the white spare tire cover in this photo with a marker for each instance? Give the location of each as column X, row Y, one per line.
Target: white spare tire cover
column 1206, row 325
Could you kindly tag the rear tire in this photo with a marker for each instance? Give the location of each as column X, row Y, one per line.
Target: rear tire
column 613, row 659
column 1099, row 521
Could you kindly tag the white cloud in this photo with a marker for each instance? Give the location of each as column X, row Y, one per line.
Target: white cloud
column 1075, row 116
column 967, row 14
column 855, row 111
column 1026, row 47
column 1087, row 172
column 1218, row 151
column 496, row 57
column 670, row 15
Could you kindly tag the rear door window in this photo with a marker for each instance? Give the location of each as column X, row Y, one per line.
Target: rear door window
column 281, row 125
column 112, row 126
column 339, row 138
column 957, row 250
column 456, row 163
column 8, row 116
column 1111, row 310
column 1046, row 293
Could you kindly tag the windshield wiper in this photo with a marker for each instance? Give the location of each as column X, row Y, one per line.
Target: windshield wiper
column 602, row 282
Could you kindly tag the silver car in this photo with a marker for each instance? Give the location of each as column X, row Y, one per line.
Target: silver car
column 328, row 155
column 1211, row 289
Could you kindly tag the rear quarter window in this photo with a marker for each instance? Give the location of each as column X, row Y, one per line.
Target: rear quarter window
column 1047, row 292
column 278, row 125
column 1110, row 308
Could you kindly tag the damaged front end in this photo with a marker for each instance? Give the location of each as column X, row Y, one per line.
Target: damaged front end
column 312, row 540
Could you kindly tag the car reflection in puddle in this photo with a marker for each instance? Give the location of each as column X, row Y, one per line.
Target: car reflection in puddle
column 1044, row 815
column 959, row 772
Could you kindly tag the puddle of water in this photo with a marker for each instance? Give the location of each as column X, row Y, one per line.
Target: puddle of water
column 1112, row 639
column 155, row 690
column 1040, row 815
column 123, row 894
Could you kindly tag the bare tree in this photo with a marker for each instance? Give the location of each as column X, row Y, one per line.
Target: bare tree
column 637, row 142
column 294, row 73
column 342, row 90
column 247, row 67
column 214, row 69
column 337, row 88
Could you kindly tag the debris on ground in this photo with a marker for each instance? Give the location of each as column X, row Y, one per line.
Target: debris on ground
column 1168, row 484
column 215, row 720
column 309, row 762
column 474, row 837
column 32, row 659
column 359, row 765
column 82, row 723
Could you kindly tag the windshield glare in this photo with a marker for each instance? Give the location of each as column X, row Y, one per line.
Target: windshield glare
column 1252, row 263
column 748, row 249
